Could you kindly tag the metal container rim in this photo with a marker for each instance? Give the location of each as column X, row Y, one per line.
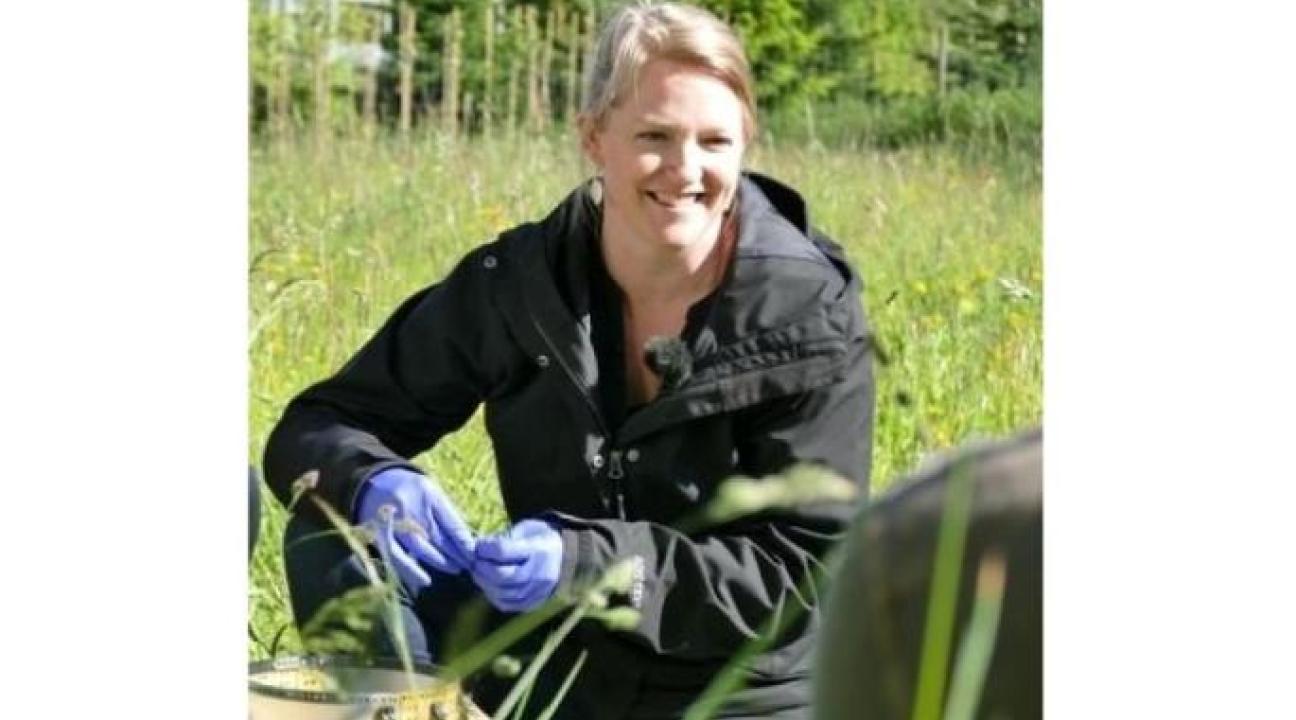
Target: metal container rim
column 333, row 697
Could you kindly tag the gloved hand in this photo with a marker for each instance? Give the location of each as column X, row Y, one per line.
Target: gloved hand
column 408, row 571
column 519, row 569
column 418, row 502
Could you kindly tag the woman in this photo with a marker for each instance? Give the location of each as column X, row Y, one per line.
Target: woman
column 670, row 324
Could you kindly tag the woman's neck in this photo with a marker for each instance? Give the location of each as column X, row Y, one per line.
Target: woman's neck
column 660, row 278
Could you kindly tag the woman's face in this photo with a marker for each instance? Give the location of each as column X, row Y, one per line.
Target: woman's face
column 670, row 156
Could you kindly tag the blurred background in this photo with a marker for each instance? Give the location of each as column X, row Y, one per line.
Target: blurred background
column 879, row 73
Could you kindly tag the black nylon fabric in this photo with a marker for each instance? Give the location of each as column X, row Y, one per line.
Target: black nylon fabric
column 780, row 373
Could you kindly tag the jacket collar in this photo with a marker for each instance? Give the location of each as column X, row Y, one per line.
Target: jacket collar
column 779, row 323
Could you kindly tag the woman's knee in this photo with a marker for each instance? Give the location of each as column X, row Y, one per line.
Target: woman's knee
column 319, row 565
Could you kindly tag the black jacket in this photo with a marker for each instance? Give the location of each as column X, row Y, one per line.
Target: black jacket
column 778, row 371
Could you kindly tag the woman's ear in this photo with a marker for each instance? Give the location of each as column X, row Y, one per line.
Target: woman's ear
column 588, row 129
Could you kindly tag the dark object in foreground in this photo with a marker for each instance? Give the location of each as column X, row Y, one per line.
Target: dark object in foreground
column 868, row 664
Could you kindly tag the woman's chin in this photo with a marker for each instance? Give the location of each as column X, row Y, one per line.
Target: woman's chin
column 683, row 235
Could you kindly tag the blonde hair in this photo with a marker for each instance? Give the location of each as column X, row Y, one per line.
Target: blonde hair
column 635, row 34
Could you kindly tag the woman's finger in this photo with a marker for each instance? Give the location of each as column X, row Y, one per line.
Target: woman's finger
column 428, row 553
column 504, row 548
column 448, row 531
column 510, row 600
column 499, row 575
column 395, row 557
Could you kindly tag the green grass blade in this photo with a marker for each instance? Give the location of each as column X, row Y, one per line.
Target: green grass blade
column 942, row 598
column 529, row 676
column 566, row 686
column 490, row 647
column 977, row 646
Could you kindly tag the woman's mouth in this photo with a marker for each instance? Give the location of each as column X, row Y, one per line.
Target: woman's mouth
column 680, row 201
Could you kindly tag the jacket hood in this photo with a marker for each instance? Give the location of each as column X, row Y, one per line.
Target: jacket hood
column 780, row 321
column 775, row 236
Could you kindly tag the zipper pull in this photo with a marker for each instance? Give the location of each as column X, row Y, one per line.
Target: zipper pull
column 615, row 471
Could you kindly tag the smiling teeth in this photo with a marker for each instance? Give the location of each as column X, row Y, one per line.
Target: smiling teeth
column 678, row 199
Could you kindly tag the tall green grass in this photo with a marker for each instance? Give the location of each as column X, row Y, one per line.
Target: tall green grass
column 949, row 244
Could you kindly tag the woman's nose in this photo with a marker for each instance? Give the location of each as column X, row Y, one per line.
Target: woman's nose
column 686, row 160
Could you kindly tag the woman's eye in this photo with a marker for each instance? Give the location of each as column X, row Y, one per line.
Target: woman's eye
column 718, row 141
column 652, row 135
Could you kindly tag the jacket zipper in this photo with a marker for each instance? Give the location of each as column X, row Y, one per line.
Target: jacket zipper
column 615, row 472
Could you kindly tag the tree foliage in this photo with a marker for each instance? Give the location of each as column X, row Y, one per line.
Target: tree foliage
column 921, row 67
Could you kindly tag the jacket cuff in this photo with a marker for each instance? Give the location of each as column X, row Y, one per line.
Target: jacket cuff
column 577, row 559
column 359, row 486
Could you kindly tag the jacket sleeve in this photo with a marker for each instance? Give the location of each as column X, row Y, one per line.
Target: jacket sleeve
column 418, row 378
column 702, row 596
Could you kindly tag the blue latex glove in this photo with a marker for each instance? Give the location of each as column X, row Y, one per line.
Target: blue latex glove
column 519, row 569
column 446, row 542
column 412, row 575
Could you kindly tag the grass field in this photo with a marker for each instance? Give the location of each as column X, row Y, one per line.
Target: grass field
column 949, row 245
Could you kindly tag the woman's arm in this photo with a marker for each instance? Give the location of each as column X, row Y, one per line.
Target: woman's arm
column 414, row 381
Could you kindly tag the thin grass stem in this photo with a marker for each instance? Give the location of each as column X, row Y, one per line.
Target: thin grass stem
column 977, row 647
column 942, row 598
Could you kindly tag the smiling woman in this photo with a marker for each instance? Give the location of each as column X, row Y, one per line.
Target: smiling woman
column 673, row 322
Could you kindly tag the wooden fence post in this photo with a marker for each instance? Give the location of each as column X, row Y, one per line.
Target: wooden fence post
column 943, row 79
column 488, row 91
column 573, row 76
column 943, row 53
column 407, row 21
column 450, row 76
column 588, row 39
column 514, row 74
column 516, row 66
column 320, row 36
column 283, row 83
column 546, row 64
column 466, row 115
column 369, row 107
column 533, row 69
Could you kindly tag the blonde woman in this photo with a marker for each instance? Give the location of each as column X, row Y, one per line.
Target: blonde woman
column 673, row 322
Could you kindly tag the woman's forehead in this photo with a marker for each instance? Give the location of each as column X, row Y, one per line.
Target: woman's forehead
column 667, row 92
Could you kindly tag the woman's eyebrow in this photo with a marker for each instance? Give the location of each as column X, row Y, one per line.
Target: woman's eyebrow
column 662, row 124
column 658, row 123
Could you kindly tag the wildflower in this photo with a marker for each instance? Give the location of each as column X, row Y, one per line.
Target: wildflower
column 1015, row 289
